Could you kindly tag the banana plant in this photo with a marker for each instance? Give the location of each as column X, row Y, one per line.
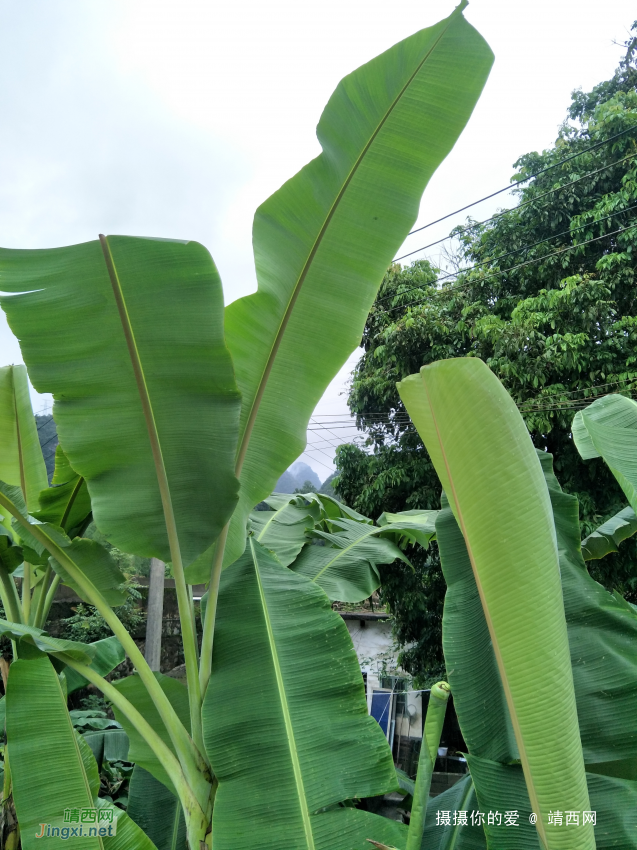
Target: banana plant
column 602, row 630
column 498, row 496
column 178, row 416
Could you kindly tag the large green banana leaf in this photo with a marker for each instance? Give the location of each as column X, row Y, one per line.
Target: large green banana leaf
column 82, row 652
column 350, row 546
column 471, row 663
column 91, row 559
column 461, row 797
column 133, row 689
column 501, row 788
column 608, row 428
column 331, row 508
column 67, row 502
column 602, row 630
column 488, row 467
column 156, row 811
column 129, row 836
column 107, row 654
column 416, row 526
column 324, row 240
column 47, row 779
column 609, row 535
column 298, row 738
column 284, row 530
column 21, row 461
column 136, row 367
column 107, row 744
column 346, row 565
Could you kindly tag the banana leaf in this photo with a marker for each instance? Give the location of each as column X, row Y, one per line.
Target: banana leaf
column 90, row 765
column 602, row 630
column 11, row 556
column 416, row 526
column 136, row 361
column 331, row 508
column 346, row 565
column 461, row 797
column 156, row 811
column 284, row 531
column 108, row 653
column 133, row 689
column 607, row 428
column 470, row 660
column 298, row 739
column 324, row 240
column 501, row 789
column 35, row 702
column 483, row 454
column 66, row 503
column 609, row 535
column 21, row 461
column 82, row 652
column 93, row 560
column 107, row 745
column 129, row 836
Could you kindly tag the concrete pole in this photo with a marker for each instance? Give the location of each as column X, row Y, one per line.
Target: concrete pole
column 154, row 613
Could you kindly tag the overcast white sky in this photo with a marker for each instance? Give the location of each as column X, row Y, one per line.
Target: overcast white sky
column 177, row 119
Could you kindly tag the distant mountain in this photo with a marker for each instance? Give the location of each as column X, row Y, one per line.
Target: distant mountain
column 302, row 472
column 295, row 478
column 326, row 486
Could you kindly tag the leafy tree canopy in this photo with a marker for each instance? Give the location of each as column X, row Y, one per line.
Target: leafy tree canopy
column 556, row 323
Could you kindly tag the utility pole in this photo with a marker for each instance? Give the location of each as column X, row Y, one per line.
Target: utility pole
column 154, row 613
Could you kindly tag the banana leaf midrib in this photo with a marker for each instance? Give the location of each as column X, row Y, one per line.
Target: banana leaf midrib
column 72, row 498
column 270, row 521
column 144, row 396
column 254, row 410
column 487, row 615
column 341, row 552
column 296, row 766
column 456, row 830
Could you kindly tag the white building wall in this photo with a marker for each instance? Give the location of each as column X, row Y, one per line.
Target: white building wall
column 374, row 645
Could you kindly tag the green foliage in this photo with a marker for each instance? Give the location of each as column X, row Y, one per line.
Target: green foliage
column 88, row 625
column 561, row 328
column 307, row 487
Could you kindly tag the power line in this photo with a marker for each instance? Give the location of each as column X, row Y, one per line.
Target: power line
column 505, row 271
column 514, row 209
column 525, row 179
column 521, row 250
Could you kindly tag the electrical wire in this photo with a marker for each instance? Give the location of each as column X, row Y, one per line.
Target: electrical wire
column 519, row 250
column 475, row 224
column 525, row 179
column 505, row 271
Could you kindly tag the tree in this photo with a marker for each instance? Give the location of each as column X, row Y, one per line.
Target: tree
column 556, row 323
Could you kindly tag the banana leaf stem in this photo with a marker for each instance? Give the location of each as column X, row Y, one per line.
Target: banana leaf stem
column 9, row 596
column 48, row 601
column 183, row 601
column 428, row 752
column 26, row 591
column 6, row 782
column 39, row 598
column 190, row 757
column 169, row 762
column 207, row 638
